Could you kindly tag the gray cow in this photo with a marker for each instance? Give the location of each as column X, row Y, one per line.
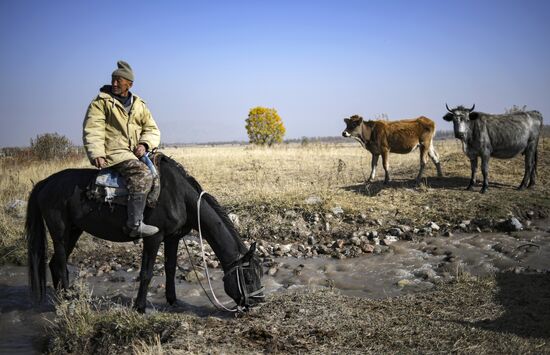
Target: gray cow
column 500, row 136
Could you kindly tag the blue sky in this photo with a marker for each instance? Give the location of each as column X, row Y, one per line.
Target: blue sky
column 201, row 65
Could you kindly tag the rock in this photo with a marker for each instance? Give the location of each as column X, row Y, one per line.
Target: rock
column 482, row 223
column 337, row 210
column 510, row 225
column 313, row 200
column 212, row 263
column 405, row 228
column 322, row 249
column 425, row 231
column 367, row 248
column 338, row 244
column 433, row 226
column 389, row 239
column 263, row 251
column 403, row 283
column 447, row 234
column 311, row 240
column 425, row 273
column 373, row 234
column 272, row 271
column 291, row 214
column 192, row 277
column 395, row 231
column 401, row 273
column 17, row 208
column 355, row 241
column 285, row 248
column 380, row 249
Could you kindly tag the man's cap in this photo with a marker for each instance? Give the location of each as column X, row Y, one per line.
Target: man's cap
column 124, row 70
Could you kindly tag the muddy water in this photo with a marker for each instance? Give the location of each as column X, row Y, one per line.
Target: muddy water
column 407, row 267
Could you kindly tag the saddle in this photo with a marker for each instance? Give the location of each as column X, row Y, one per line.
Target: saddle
column 109, row 186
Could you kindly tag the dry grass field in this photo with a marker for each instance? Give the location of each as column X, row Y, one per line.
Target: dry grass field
column 286, row 176
column 250, row 180
column 261, row 186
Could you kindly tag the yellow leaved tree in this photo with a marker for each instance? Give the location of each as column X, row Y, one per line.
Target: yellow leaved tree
column 264, row 126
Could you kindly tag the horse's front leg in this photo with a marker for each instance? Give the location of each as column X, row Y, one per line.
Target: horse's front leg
column 150, row 249
column 170, row 262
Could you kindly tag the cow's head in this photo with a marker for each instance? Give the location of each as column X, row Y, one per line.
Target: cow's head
column 460, row 116
column 353, row 126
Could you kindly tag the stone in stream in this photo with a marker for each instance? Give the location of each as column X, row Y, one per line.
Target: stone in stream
column 510, row 225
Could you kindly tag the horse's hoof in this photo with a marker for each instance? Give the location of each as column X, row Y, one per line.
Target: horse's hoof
column 483, row 190
column 470, row 188
column 521, row 187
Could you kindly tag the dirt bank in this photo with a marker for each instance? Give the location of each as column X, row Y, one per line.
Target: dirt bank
column 508, row 313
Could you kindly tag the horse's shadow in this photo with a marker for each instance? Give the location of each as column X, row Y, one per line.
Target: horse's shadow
column 449, row 183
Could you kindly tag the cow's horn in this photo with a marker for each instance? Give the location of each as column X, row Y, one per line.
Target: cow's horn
column 474, row 106
column 448, row 109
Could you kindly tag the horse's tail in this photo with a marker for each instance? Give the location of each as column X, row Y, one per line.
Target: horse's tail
column 36, row 244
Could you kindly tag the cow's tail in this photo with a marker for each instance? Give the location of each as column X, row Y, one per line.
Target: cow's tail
column 36, row 245
column 541, row 142
column 535, row 164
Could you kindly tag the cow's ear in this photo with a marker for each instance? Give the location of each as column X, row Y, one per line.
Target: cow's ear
column 448, row 117
column 474, row 115
column 346, row 120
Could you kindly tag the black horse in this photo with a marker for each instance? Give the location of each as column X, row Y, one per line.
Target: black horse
column 60, row 200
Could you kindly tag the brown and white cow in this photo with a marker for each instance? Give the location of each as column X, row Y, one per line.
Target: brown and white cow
column 401, row 137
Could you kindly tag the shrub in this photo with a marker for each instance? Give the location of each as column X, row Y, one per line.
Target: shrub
column 49, row 146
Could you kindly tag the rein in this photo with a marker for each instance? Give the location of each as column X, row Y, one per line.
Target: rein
column 237, row 269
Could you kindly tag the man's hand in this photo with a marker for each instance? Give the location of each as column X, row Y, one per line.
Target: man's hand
column 100, row 162
column 140, row 150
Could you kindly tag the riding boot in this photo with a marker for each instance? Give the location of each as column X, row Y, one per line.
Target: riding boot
column 136, row 206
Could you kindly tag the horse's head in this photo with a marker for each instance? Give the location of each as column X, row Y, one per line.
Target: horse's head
column 242, row 282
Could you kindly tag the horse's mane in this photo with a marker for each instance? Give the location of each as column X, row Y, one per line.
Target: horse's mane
column 209, row 198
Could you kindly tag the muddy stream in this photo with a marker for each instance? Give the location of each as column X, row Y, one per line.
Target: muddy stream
column 407, row 268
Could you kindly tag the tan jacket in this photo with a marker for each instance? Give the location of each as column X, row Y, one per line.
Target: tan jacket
column 111, row 133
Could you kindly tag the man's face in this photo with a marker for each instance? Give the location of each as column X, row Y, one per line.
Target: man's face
column 120, row 86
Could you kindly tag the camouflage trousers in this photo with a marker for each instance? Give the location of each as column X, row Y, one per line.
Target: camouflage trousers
column 137, row 176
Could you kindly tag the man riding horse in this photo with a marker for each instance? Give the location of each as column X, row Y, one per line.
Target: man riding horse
column 118, row 130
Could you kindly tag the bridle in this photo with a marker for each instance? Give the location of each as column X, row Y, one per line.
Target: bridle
column 241, row 282
column 238, row 270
